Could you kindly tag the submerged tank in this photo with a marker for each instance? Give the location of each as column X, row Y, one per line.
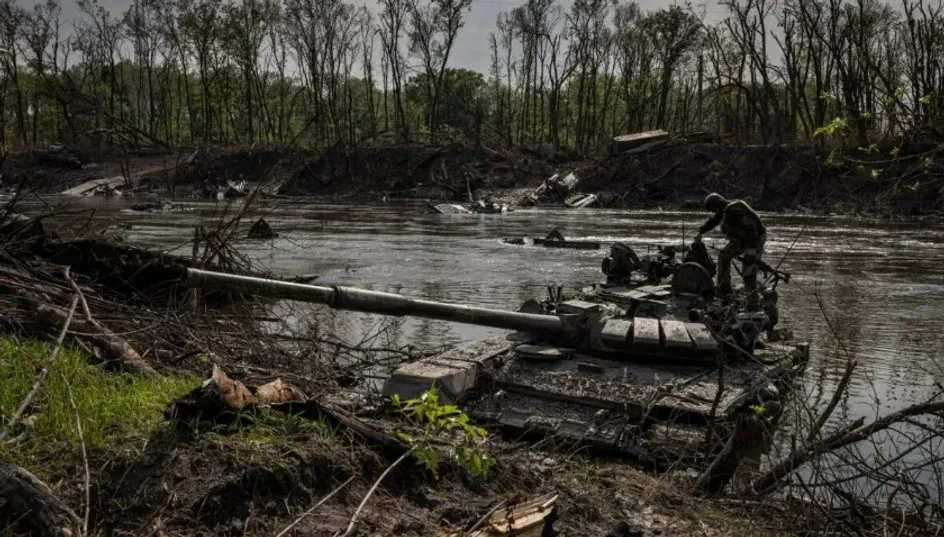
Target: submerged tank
column 638, row 365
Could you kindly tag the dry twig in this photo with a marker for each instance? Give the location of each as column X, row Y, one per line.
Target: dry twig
column 352, row 526
column 53, row 356
column 85, row 464
column 316, row 506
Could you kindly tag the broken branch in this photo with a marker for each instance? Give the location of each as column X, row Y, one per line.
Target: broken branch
column 352, row 526
column 849, row 435
column 316, row 506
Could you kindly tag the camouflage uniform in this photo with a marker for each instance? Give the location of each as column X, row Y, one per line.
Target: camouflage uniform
column 744, row 229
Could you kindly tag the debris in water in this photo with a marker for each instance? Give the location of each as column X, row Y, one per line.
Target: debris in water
column 262, row 230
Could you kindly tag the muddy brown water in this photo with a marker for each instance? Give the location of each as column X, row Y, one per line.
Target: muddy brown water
column 881, row 283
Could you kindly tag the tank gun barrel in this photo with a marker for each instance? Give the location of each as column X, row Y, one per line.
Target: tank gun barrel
column 352, row 298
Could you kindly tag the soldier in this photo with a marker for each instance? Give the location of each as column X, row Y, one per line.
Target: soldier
column 746, row 236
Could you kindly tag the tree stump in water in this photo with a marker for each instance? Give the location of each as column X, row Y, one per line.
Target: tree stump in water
column 262, row 230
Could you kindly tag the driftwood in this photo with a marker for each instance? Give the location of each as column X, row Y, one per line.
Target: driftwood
column 32, row 504
column 114, row 348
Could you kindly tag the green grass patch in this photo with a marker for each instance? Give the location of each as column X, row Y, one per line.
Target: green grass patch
column 115, row 408
column 264, row 426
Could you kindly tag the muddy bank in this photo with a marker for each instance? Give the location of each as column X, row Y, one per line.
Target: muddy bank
column 864, row 181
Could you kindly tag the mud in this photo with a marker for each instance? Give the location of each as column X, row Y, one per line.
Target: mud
column 677, row 174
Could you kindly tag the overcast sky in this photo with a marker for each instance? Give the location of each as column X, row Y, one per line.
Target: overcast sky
column 471, row 48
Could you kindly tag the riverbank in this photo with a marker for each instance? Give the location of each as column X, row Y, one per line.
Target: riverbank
column 257, row 477
column 676, row 174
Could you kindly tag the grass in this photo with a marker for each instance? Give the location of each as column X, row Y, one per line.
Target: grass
column 265, row 426
column 115, row 408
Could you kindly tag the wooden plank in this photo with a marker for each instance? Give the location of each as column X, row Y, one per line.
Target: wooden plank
column 616, row 333
column 645, row 332
column 701, row 337
column 676, row 336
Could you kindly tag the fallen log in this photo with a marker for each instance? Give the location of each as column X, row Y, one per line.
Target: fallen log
column 114, row 349
column 29, row 503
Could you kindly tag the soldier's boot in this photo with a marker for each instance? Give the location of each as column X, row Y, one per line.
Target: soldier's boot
column 753, row 302
column 725, row 256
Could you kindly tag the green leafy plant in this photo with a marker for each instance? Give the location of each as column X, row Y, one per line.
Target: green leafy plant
column 761, row 410
column 876, row 173
column 836, row 125
column 833, row 161
column 871, row 149
column 925, row 100
column 927, row 163
column 443, row 428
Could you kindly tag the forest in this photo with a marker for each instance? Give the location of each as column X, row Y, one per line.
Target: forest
column 318, row 73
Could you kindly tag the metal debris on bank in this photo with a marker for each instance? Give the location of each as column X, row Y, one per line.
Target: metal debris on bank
column 640, row 142
column 560, row 189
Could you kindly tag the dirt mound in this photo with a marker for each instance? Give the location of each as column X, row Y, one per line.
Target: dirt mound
column 882, row 180
column 771, row 178
column 212, row 170
column 682, row 174
column 448, row 172
column 677, row 174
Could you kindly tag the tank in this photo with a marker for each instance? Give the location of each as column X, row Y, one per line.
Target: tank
column 644, row 364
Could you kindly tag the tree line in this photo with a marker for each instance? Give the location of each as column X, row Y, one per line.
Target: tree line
column 328, row 72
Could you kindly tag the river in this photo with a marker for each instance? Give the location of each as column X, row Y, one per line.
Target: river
column 881, row 283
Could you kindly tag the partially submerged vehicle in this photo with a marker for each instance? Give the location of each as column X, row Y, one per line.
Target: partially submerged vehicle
column 554, row 239
column 478, row 207
column 656, row 371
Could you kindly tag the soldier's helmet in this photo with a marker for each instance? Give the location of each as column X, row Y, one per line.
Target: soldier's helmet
column 715, row 202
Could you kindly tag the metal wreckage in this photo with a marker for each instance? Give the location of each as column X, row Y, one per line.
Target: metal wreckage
column 650, row 364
